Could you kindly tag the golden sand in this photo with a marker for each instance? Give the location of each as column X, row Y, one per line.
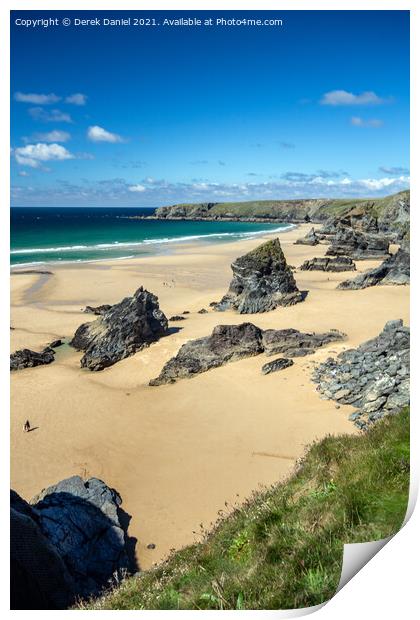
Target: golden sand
column 177, row 453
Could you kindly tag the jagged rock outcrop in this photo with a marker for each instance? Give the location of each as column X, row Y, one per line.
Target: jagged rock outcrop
column 25, row 358
column 83, row 522
column 293, row 343
column 39, row 578
column 360, row 220
column 276, row 365
column 262, row 281
column 97, row 309
column 374, row 378
column 229, row 343
column 395, row 270
column 335, row 263
column 70, row 541
column 309, row 239
column 358, row 246
column 121, row 331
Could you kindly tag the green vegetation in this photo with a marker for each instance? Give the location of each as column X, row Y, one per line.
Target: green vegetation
column 283, row 548
column 387, row 210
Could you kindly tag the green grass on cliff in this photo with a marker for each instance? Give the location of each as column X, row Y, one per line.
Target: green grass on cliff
column 318, row 209
column 283, row 548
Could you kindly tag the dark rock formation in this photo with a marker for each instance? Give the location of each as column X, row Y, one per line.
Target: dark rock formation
column 227, row 343
column 262, row 281
column 294, row 343
column 309, row 239
column 55, row 343
column 275, row 365
column 127, row 327
column 25, row 358
column 359, row 246
column 374, row 378
column 177, row 317
column 336, row 263
column 39, row 578
column 97, row 309
column 82, row 520
column 203, row 311
column 394, row 270
column 360, row 220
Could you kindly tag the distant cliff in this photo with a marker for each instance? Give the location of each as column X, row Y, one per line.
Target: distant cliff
column 392, row 212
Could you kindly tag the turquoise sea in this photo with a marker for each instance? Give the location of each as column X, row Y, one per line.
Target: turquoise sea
column 52, row 235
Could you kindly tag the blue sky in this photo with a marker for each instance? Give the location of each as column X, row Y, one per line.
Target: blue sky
column 317, row 107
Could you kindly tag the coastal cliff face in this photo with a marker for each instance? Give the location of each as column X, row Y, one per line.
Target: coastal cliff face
column 389, row 214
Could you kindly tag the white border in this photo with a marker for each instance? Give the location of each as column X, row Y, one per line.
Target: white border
column 387, row 586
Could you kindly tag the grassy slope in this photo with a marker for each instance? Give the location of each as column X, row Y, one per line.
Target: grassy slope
column 318, row 208
column 283, row 548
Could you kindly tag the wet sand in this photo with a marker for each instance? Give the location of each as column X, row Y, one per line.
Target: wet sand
column 177, row 453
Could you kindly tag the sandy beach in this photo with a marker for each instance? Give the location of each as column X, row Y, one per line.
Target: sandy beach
column 177, row 454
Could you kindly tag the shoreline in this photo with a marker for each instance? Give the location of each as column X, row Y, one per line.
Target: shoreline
column 177, row 453
column 205, row 239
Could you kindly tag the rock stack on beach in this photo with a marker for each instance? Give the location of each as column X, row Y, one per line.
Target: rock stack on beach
column 395, row 270
column 262, row 281
column 358, row 246
column 229, row 343
column 124, row 329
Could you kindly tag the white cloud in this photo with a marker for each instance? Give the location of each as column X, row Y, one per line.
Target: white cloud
column 50, row 116
column 77, row 99
column 23, row 173
column 357, row 121
column 343, row 97
column 56, row 135
column 378, row 184
column 38, row 99
column 99, row 134
column 34, row 154
column 118, row 192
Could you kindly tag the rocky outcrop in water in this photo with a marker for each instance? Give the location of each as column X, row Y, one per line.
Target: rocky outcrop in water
column 309, row 239
column 293, row 343
column 262, row 281
column 69, row 542
column 395, row 270
column 275, row 365
column 358, row 246
column 229, row 343
column 121, row 331
column 25, row 358
column 374, row 378
column 336, row 263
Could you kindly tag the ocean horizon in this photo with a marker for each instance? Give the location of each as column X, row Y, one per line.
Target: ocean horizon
column 51, row 235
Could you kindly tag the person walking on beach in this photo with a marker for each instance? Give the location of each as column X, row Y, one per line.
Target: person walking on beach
column 27, row 426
